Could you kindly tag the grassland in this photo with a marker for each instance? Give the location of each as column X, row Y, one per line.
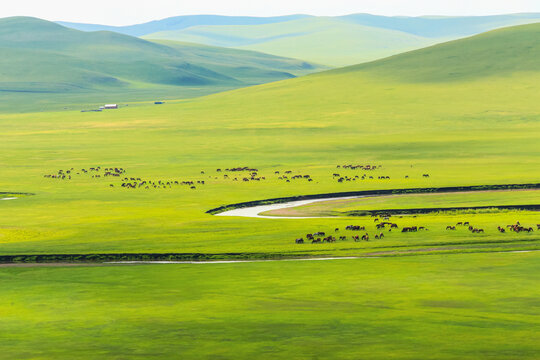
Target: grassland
column 466, row 129
column 482, row 306
column 433, row 294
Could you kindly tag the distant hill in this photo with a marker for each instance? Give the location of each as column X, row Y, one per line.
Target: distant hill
column 41, row 57
column 502, row 52
column 346, row 40
column 328, row 40
column 442, row 26
column 182, row 22
column 334, row 41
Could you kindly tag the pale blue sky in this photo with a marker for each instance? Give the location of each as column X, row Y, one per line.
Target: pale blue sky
column 124, row 12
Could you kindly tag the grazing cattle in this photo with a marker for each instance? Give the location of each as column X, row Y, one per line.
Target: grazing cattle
column 365, row 237
column 381, row 235
column 449, row 227
column 299, row 241
column 518, row 228
column 355, row 227
column 336, row 230
column 316, row 241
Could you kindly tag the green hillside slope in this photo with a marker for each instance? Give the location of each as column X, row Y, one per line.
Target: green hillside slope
column 498, row 53
column 340, row 41
column 43, row 58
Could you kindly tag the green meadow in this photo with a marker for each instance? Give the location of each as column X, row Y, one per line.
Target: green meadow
column 476, row 129
column 465, row 112
column 480, row 306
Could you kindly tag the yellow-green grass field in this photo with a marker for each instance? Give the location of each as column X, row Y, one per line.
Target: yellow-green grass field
column 432, row 294
column 479, row 306
column 463, row 128
column 468, row 131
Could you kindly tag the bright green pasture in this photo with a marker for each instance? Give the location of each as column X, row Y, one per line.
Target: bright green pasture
column 482, row 131
column 415, row 201
column 479, row 306
column 460, row 125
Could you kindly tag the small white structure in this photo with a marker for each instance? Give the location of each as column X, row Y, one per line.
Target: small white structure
column 111, row 106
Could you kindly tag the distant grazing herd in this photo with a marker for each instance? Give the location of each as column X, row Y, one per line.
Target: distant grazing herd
column 100, row 172
column 343, row 178
column 244, row 174
column 138, row 183
column 94, row 172
column 321, row 237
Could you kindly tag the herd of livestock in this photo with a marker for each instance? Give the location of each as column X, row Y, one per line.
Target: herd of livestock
column 343, row 178
column 321, row 237
column 243, row 174
column 138, row 183
column 94, row 172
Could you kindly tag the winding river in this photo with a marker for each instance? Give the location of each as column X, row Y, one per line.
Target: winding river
column 254, row 211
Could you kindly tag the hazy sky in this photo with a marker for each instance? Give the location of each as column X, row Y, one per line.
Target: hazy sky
column 123, row 12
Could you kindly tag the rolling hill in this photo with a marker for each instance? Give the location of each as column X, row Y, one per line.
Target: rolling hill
column 41, row 58
column 334, row 41
column 498, row 53
column 442, row 26
column 182, row 22
column 324, row 40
